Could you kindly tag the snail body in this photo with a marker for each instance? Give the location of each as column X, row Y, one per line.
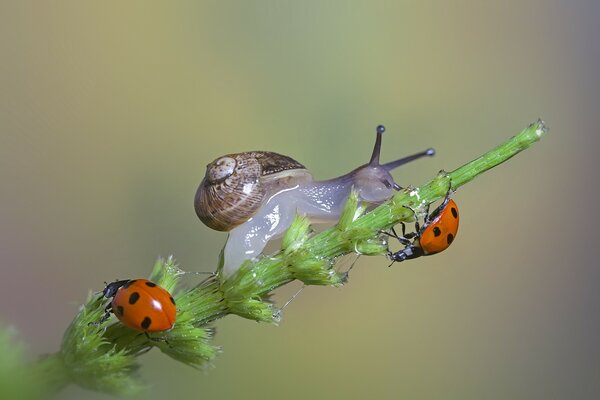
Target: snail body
column 255, row 195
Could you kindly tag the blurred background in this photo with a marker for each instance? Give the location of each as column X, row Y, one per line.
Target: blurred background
column 110, row 112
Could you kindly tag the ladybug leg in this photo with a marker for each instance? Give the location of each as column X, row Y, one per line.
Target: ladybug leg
column 107, row 311
column 403, row 229
column 403, row 225
column 428, row 216
column 404, row 239
column 156, row 339
column 417, row 226
column 405, row 235
column 447, row 198
column 400, row 255
column 105, row 316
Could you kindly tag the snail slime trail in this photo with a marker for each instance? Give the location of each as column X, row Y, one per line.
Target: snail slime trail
column 255, row 196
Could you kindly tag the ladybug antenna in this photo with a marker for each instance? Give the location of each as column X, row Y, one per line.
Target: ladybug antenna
column 103, row 291
column 377, row 149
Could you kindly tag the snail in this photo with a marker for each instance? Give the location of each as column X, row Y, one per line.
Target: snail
column 255, row 195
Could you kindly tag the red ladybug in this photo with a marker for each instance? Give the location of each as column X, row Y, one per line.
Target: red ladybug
column 436, row 234
column 141, row 305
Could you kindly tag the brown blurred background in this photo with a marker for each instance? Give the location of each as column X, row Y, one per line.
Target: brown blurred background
column 110, row 112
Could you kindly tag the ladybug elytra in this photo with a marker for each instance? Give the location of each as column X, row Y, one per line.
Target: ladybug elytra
column 141, row 305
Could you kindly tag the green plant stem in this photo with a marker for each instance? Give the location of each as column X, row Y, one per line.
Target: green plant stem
column 52, row 373
column 361, row 234
column 100, row 356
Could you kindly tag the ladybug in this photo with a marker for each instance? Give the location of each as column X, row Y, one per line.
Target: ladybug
column 141, row 305
column 437, row 233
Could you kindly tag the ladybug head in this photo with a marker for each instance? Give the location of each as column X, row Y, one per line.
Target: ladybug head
column 111, row 289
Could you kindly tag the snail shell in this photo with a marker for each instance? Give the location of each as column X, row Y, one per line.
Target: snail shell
column 236, row 185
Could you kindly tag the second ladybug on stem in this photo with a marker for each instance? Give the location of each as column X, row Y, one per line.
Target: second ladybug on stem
column 437, row 233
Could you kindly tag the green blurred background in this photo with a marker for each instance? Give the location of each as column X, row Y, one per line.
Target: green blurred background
column 110, row 112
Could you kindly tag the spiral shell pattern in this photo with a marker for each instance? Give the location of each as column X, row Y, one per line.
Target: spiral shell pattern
column 235, row 186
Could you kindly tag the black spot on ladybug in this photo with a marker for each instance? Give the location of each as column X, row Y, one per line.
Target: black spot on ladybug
column 454, row 212
column 450, row 238
column 146, row 323
column 120, row 311
column 125, row 286
column 135, row 296
column 436, row 231
column 150, row 284
column 172, row 300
